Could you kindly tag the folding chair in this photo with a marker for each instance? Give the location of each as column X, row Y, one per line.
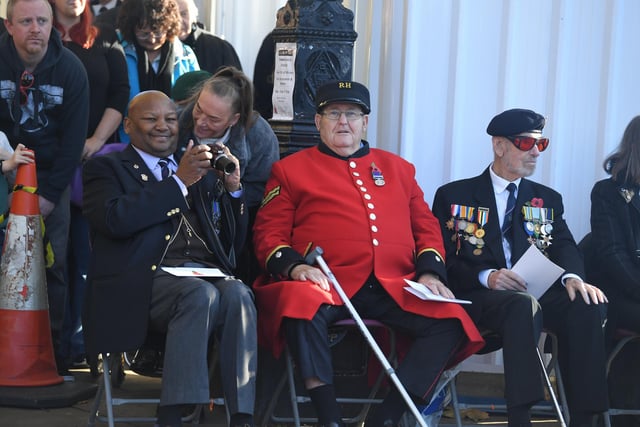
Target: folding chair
column 337, row 334
column 494, row 343
column 622, row 337
column 112, row 377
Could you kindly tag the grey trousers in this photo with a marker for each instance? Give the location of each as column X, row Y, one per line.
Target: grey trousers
column 190, row 310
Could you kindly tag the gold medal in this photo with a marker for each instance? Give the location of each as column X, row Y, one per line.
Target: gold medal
column 479, row 233
column 471, row 227
column 477, row 251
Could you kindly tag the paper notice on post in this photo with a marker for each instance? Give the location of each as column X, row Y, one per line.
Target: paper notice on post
column 424, row 293
column 194, row 272
column 284, row 81
column 537, row 270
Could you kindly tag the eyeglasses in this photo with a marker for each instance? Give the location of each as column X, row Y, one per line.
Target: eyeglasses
column 526, row 143
column 146, row 35
column 26, row 82
column 335, row 115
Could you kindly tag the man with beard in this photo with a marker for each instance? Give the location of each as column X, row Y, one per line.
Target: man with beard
column 488, row 222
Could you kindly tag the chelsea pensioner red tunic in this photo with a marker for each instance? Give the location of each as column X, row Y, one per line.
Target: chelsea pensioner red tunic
column 315, row 199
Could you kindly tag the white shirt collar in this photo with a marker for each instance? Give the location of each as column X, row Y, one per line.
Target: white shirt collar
column 152, row 161
column 499, row 183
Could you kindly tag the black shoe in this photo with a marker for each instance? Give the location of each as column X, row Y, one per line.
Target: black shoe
column 147, row 362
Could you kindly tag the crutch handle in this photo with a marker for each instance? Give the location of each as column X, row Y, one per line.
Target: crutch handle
column 313, row 255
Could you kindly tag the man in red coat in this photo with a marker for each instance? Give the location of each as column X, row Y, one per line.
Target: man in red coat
column 364, row 208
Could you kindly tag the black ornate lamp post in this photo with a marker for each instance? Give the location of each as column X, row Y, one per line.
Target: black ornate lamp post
column 313, row 45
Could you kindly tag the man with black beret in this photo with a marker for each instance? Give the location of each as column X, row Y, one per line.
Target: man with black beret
column 488, row 222
column 365, row 209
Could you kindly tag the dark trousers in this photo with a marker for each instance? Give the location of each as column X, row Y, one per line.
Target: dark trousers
column 190, row 310
column 581, row 348
column 519, row 319
column 77, row 263
column 434, row 341
column 57, row 234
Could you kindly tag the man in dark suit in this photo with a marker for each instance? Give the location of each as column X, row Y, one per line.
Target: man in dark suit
column 147, row 212
column 485, row 234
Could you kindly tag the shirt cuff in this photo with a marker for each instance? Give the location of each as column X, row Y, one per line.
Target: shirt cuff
column 236, row 194
column 483, row 277
column 568, row 276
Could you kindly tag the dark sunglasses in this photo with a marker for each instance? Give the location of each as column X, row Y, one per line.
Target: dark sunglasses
column 26, row 82
column 526, row 143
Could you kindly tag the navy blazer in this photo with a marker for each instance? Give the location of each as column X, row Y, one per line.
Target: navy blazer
column 614, row 263
column 464, row 265
column 130, row 217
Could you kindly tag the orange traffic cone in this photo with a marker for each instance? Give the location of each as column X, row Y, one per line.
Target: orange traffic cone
column 26, row 349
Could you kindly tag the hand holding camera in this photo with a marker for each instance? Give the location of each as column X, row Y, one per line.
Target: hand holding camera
column 226, row 163
column 222, row 162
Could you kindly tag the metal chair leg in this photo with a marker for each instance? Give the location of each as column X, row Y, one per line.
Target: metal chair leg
column 292, row 390
column 455, row 403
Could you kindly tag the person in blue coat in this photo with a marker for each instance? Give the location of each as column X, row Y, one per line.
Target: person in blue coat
column 148, row 31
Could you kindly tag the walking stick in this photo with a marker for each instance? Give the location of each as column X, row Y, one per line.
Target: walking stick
column 315, row 256
column 556, row 405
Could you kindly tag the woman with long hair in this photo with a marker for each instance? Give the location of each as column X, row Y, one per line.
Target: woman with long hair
column 612, row 260
column 615, row 231
column 221, row 112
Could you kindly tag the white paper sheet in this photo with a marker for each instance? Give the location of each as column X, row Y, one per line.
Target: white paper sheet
column 537, row 270
column 424, row 293
column 194, row 272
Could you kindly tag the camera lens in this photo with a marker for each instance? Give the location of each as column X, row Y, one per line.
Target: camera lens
column 223, row 163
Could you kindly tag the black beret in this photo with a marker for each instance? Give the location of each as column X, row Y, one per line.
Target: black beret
column 343, row 91
column 514, row 122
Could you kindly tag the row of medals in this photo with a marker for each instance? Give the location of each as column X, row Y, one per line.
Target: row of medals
column 472, row 233
column 535, row 229
column 537, row 224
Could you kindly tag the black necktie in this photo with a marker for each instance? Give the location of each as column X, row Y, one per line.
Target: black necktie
column 165, row 172
column 508, row 213
column 102, row 9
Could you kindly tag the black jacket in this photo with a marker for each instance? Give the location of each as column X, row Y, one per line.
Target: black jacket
column 130, row 215
column 212, row 51
column 52, row 119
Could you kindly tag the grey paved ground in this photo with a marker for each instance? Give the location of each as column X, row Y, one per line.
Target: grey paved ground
column 137, row 386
